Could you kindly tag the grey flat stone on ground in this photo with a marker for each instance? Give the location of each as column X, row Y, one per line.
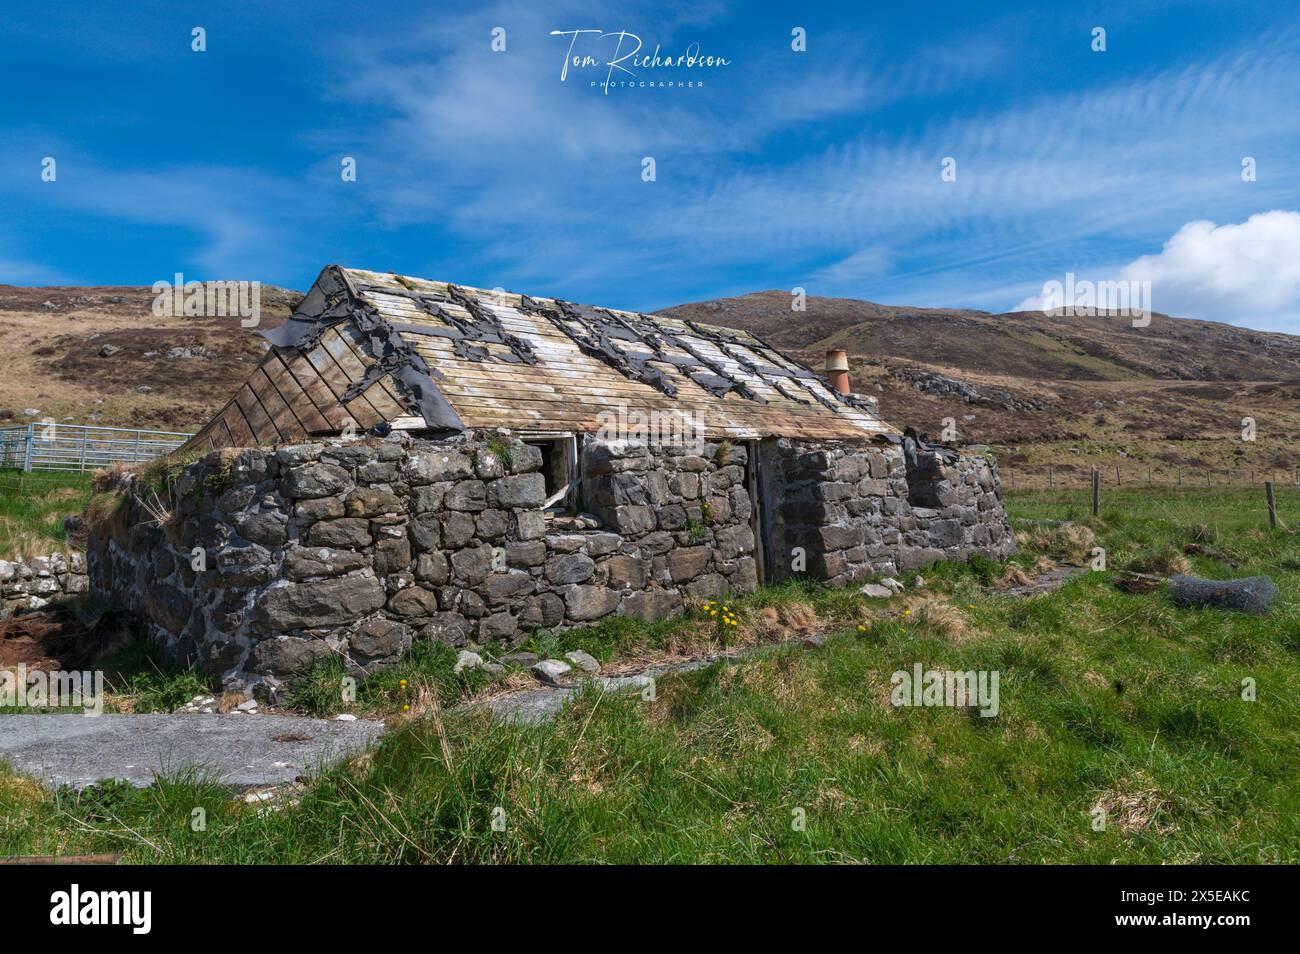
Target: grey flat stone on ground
column 535, row 706
column 551, row 670
column 1254, row 594
column 1047, row 582
column 238, row 750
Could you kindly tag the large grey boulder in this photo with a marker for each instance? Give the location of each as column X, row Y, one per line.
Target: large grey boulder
column 302, row 563
column 1253, row 594
column 430, row 468
column 380, row 639
column 316, row 480
column 523, row 491
column 570, row 568
column 590, row 602
column 288, row 655
column 324, row 603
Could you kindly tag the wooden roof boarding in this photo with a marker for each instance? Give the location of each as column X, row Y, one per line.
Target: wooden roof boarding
column 366, row 348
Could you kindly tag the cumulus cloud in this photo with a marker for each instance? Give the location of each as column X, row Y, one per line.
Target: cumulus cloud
column 1244, row 273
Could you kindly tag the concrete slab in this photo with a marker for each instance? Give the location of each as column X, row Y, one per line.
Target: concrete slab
column 242, row 751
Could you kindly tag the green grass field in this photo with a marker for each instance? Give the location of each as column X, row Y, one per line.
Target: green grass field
column 1108, row 701
column 32, row 508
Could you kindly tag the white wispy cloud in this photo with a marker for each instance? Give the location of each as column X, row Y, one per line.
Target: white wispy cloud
column 543, row 177
column 1243, row 273
column 787, row 169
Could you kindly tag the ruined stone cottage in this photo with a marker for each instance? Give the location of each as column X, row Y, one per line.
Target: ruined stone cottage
column 420, row 460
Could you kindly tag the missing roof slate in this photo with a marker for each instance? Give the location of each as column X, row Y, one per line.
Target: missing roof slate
column 466, row 336
column 365, row 349
column 331, row 302
column 600, row 329
column 595, row 340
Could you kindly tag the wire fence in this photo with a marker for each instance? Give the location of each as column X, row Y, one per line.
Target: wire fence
column 1248, row 496
column 82, row 447
column 1048, row 477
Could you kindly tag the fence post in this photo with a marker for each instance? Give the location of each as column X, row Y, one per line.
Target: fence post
column 27, row 448
column 1117, row 480
column 1051, row 481
column 1180, row 475
column 1096, row 491
column 135, row 456
column 1272, row 504
column 1148, row 475
column 85, row 435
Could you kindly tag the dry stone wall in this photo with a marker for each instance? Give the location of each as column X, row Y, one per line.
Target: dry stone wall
column 274, row 559
column 27, row 585
column 850, row 513
column 262, row 562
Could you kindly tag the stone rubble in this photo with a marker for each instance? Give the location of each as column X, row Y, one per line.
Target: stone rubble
column 27, row 585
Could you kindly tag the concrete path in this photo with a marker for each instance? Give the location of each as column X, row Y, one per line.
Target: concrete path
column 242, row 751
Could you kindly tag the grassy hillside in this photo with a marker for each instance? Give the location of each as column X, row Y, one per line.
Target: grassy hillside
column 1064, row 392
column 1109, row 700
column 99, row 355
column 1023, row 344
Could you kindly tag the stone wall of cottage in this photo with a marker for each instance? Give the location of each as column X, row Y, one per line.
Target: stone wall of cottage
column 273, row 559
column 853, row 512
column 27, row 585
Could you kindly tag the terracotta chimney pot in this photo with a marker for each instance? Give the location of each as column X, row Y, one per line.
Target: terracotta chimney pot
column 837, row 369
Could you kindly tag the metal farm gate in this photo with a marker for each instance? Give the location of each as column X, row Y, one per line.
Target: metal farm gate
column 50, row 446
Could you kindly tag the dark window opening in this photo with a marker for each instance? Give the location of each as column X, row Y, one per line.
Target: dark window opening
column 559, row 470
column 927, row 482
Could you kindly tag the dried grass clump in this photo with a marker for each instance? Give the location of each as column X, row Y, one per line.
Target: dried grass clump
column 1013, row 577
column 109, row 477
column 783, row 621
column 23, row 544
column 1164, row 562
column 101, row 509
column 1072, row 542
column 20, row 791
column 935, row 616
column 1134, row 810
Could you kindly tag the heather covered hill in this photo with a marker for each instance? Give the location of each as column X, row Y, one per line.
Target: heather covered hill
column 99, row 355
column 1022, row 344
column 1043, row 390
column 1039, row 389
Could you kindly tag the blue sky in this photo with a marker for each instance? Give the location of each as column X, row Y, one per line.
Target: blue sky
column 819, row 169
